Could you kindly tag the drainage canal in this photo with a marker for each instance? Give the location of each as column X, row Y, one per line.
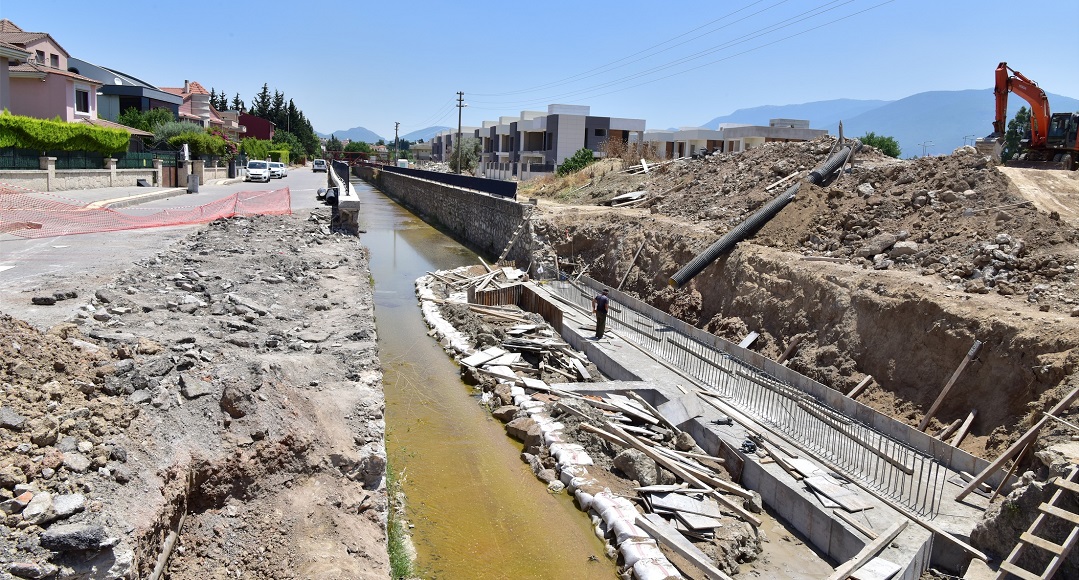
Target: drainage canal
column 477, row 510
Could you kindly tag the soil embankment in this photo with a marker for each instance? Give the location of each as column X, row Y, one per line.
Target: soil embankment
column 920, row 258
column 223, row 397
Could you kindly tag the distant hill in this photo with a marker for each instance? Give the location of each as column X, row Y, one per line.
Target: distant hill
column 354, row 134
column 943, row 118
column 425, row 134
column 821, row 114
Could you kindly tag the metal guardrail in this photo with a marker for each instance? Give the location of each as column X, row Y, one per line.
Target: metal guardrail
column 505, row 189
column 896, row 470
column 340, row 168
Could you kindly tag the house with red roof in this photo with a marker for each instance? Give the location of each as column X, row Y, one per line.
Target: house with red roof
column 196, row 108
column 42, row 86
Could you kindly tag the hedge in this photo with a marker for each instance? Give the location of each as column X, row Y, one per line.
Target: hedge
column 199, row 143
column 279, row 155
column 55, row 135
column 256, row 148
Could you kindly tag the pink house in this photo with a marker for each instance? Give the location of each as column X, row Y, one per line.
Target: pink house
column 9, row 53
column 42, row 87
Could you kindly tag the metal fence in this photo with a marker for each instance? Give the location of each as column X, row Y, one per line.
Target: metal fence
column 135, row 160
column 78, row 159
column 506, row 189
column 896, row 470
column 341, row 169
column 13, row 158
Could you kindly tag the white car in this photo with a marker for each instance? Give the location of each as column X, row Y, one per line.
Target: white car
column 258, row 171
column 278, row 169
column 318, row 165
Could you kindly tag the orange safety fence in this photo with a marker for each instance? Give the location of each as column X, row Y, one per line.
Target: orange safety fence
column 32, row 216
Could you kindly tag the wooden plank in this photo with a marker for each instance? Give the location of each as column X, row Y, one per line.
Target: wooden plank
column 679, row 410
column 790, row 349
column 674, row 502
column 1042, row 543
column 825, row 259
column 663, row 533
column 581, row 370
column 676, row 469
column 868, row 552
column 1065, row 484
column 857, row 390
column 479, row 358
column 1059, row 512
column 964, row 428
column 945, row 432
column 1019, row 445
column 846, row 498
column 697, row 521
column 1017, row 571
column 630, row 269
column 973, row 352
column 862, row 528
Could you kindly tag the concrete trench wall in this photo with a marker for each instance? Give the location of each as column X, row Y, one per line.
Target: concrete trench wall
column 483, row 222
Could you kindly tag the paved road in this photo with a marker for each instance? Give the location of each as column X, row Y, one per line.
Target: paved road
column 85, row 262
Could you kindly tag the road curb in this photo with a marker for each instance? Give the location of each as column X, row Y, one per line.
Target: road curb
column 135, row 199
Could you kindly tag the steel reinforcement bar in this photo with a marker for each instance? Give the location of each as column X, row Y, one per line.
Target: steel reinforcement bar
column 896, row 470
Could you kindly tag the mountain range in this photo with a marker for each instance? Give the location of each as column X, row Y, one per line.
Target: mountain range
column 942, row 120
column 368, row 136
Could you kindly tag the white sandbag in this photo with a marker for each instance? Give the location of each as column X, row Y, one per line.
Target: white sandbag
column 567, row 473
column 553, row 438
column 515, row 390
column 584, row 499
column 655, row 569
column 570, row 454
column 546, row 424
column 639, row 549
column 582, row 482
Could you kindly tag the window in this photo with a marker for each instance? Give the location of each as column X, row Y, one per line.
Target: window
column 54, row 60
column 41, row 57
column 82, row 101
column 601, row 132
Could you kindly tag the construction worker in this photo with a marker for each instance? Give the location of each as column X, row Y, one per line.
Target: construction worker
column 599, row 308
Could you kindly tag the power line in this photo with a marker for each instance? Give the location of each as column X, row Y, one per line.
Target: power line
column 785, row 23
column 589, row 91
column 569, row 79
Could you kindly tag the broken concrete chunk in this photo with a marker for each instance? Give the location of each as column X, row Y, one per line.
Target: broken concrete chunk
column 68, row 537
column 877, row 245
column 10, row 419
column 76, row 462
column 68, row 504
column 193, row 387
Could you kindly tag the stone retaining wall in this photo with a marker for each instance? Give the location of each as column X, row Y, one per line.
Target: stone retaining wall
column 483, row 222
column 66, row 179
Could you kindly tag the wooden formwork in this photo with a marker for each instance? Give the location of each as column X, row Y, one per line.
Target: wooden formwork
column 519, row 295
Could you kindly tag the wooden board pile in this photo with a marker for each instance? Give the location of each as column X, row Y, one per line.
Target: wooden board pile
column 494, row 277
column 538, row 340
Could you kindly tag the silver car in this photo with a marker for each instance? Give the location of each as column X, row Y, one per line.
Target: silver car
column 258, row 171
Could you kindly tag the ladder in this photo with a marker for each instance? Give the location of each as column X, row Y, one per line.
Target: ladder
column 1064, row 485
column 513, row 238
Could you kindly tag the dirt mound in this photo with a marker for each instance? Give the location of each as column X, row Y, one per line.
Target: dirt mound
column 225, row 392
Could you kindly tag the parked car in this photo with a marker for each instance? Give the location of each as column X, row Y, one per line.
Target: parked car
column 258, row 171
column 278, row 169
column 318, row 165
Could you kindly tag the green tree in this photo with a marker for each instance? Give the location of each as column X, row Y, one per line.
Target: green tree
column 887, row 145
column 237, row 102
column 358, row 147
column 213, row 98
column 334, row 144
column 145, row 120
column 576, row 162
column 1017, row 129
column 171, row 129
column 256, row 148
column 260, row 105
column 278, row 114
column 470, row 155
column 286, row 140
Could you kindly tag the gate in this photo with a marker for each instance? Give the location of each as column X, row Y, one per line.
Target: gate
column 170, row 163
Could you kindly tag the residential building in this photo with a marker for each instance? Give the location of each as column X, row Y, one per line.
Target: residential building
column 195, row 107
column 732, row 138
column 538, row 141
column 422, row 151
column 442, row 143
column 257, row 127
column 120, row 92
column 9, row 54
column 230, row 124
column 42, row 86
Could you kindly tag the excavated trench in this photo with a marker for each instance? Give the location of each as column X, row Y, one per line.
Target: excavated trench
column 908, row 331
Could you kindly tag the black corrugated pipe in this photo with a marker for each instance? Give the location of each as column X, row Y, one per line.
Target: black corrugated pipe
column 819, row 176
column 728, row 241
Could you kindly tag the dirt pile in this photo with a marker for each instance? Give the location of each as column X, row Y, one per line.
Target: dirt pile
column 226, row 391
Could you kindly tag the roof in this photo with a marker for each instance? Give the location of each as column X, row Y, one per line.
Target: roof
column 193, row 88
column 10, row 33
column 33, row 69
column 111, row 125
column 12, row 51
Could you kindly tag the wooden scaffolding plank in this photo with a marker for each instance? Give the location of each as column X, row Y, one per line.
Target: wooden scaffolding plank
column 1010, row 568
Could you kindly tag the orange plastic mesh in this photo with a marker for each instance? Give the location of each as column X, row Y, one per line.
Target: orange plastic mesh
column 43, row 215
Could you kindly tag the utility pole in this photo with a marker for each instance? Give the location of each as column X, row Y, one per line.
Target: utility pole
column 457, row 144
column 926, row 144
column 396, row 126
column 972, row 138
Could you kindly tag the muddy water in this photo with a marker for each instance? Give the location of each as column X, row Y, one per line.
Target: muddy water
column 477, row 509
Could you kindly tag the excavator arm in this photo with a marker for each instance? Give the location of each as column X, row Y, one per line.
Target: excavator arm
column 1016, row 83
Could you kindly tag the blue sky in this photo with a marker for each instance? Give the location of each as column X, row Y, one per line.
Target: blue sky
column 369, row 64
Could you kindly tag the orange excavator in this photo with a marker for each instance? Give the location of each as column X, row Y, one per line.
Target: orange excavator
column 1051, row 142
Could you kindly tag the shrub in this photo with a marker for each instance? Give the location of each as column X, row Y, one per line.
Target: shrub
column 199, row 143
column 256, row 148
column 146, row 120
column 279, row 155
column 887, row 145
column 167, row 131
column 55, row 135
column 578, row 161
